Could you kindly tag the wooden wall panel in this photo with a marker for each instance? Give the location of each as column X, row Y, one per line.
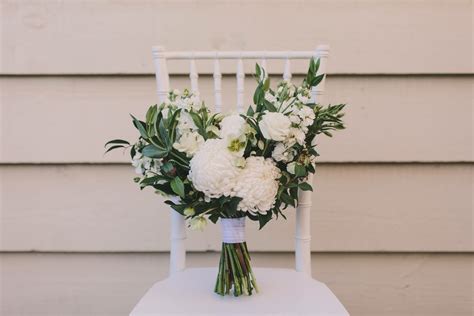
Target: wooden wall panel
column 356, row 208
column 111, row 284
column 80, row 36
column 389, row 119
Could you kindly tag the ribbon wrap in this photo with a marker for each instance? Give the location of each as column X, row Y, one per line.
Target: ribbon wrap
column 233, row 230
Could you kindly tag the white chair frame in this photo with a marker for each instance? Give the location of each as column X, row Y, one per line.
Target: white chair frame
column 303, row 211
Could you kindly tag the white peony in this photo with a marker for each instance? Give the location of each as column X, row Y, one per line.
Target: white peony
column 189, row 143
column 257, row 185
column 275, row 126
column 232, row 126
column 213, row 169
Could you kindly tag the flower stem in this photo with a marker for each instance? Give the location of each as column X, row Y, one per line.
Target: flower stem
column 235, row 273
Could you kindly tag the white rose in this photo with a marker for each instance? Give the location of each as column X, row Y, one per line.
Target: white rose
column 232, row 126
column 257, row 185
column 189, row 143
column 213, row 169
column 275, row 126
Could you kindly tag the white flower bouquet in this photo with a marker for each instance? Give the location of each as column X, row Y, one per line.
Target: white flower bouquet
column 215, row 167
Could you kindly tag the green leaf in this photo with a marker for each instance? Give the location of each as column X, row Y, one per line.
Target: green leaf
column 117, row 141
column 177, row 186
column 287, row 199
column 167, row 167
column 140, row 126
column 250, row 111
column 114, row 147
column 164, row 134
column 263, row 219
column 317, row 80
column 305, row 186
column 266, row 84
column 154, row 152
column 300, row 170
column 270, row 107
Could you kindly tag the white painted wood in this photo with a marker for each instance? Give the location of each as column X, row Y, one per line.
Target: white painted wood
column 217, row 86
column 240, row 75
column 373, row 105
column 178, row 232
column 303, row 210
column 111, row 283
column 409, row 47
column 112, row 215
column 193, row 76
column 240, row 55
column 308, row 296
column 287, row 70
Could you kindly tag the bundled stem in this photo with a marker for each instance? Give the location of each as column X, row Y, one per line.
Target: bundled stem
column 235, row 273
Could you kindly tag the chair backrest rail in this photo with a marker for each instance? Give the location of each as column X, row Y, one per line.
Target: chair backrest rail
column 303, row 211
column 157, row 50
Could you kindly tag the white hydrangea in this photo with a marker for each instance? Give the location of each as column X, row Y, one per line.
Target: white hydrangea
column 257, row 185
column 189, row 143
column 214, row 169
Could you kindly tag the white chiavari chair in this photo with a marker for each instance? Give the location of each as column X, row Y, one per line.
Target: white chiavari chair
column 283, row 291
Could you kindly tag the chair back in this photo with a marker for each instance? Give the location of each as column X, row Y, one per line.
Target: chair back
column 160, row 58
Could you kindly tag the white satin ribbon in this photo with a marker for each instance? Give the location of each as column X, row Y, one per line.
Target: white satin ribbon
column 233, row 230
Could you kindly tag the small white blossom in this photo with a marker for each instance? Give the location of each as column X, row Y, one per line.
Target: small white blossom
column 198, row 223
column 189, row 143
column 282, row 153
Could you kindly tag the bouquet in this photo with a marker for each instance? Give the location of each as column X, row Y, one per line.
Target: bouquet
column 228, row 167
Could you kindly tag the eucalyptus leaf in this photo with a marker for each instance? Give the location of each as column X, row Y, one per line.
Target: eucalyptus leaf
column 153, row 151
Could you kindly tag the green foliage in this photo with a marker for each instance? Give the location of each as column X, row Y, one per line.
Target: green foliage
column 169, row 174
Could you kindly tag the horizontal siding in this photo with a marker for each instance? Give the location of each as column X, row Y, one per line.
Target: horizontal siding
column 356, row 207
column 401, row 119
column 111, row 284
column 42, row 37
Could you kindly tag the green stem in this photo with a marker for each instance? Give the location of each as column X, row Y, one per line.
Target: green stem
column 235, row 273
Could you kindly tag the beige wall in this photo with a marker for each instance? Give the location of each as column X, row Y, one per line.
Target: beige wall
column 393, row 219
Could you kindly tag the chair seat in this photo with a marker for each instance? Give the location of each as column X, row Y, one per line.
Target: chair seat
column 282, row 292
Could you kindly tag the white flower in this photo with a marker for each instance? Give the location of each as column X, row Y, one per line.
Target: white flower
column 257, row 185
column 291, row 167
column 232, row 126
column 185, row 122
column 270, row 97
column 189, row 143
column 304, row 99
column 213, row 169
column 275, row 126
column 307, row 115
column 282, row 153
column 198, row 223
column 297, row 135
